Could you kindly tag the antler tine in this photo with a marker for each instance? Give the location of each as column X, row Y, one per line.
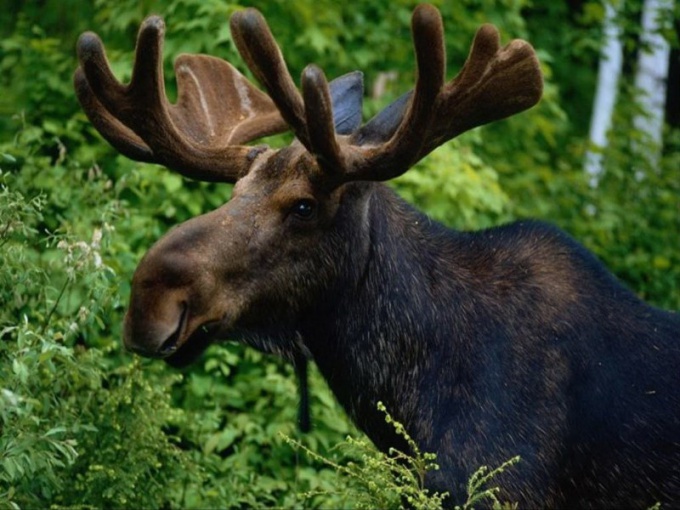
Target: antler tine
column 147, row 83
column 147, row 72
column 401, row 151
column 217, row 108
column 123, row 139
column 258, row 48
column 319, row 116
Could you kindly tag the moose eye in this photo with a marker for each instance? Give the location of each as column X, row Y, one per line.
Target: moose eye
column 305, row 209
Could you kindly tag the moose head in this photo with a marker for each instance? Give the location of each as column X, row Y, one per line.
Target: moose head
column 287, row 235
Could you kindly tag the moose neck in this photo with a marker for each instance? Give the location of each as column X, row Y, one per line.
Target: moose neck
column 377, row 330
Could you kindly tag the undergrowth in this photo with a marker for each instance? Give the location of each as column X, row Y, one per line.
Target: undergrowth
column 373, row 479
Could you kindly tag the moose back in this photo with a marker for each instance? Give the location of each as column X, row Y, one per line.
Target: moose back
column 509, row 341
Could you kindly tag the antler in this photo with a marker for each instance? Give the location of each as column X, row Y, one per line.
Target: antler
column 493, row 84
column 217, row 108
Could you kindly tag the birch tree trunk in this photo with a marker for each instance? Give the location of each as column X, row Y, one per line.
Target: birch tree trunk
column 611, row 60
column 651, row 77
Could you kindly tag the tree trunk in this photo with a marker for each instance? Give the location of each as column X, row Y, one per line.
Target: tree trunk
column 651, row 77
column 611, row 60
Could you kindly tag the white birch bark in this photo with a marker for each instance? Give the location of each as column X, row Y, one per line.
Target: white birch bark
column 651, row 77
column 611, row 60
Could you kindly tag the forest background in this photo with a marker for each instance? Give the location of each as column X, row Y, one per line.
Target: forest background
column 84, row 424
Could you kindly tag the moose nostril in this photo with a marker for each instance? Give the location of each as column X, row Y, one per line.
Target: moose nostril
column 155, row 338
column 170, row 344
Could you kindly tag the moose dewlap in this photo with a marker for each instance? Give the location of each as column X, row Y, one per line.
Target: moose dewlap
column 509, row 341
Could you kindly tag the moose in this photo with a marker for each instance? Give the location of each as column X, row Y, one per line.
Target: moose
column 514, row 340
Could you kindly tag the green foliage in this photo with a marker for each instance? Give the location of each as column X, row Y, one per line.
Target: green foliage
column 69, row 425
column 455, row 186
column 34, row 445
column 68, row 421
column 82, row 424
column 627, row 219
column 241, row 402
column 373, row 479
column 477, row 492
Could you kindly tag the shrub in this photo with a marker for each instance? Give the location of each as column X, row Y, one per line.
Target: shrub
column 372, row 479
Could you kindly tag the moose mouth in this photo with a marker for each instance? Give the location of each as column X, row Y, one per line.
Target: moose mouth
column 180, row 350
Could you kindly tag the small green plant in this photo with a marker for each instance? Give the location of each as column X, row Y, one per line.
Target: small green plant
column 477, row 489
column 374, row 479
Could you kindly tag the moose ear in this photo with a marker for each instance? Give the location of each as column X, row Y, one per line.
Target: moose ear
column 381, row 127
column 347, row 94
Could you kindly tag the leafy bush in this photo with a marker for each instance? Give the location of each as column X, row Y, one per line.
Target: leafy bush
column 75, row 432
column 82, row 424
column 457, row 187
column 373, row 479
column 378, row 480
column 68, row 421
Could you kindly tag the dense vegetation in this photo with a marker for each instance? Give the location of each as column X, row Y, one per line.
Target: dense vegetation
column 83, row 424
